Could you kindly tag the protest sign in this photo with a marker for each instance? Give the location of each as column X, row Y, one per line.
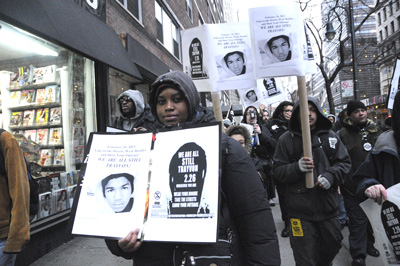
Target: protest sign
column 174, row 173
column 385, row 221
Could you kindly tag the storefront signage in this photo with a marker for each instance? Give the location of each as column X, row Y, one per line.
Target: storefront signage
column 95, row 7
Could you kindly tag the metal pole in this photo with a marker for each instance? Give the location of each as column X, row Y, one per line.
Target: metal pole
column 353, row 50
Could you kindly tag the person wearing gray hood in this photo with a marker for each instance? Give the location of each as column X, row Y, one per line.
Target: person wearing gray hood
column 315, row 235
column 135, row 114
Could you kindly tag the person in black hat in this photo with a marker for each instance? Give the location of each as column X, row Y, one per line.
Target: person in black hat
column 359, row 135
column 380, row 170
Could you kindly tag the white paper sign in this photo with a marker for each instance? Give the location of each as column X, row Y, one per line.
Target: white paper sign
column 385, row 220
column 268, row 91
column 281, row 46
column 175, row 174
column 219, row 56
column 394, row 88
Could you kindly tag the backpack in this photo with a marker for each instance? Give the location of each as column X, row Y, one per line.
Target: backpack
column 33, row 185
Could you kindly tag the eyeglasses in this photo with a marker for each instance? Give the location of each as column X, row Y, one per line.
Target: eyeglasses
column 288, row 111
column 125, row 99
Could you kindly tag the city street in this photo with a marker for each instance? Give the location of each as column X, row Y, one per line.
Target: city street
column 93, row 251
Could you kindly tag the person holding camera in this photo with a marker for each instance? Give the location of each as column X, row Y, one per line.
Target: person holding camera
column 263, row 147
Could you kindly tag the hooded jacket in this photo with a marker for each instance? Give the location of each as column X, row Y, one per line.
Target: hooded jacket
column 14, row 196
column 142, row 118
column 242, row 193
column 314, row 204
column 352, row 138
column 382, row 165
column 278, row 124
column 267, row 143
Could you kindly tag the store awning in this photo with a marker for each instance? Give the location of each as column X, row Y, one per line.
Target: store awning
column 65, row 23
column 149, row 65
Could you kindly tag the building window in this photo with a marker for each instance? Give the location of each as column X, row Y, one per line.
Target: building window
column 189, row 9
column 392, row 27
column 167, row 31
column 380, row 36
column 384, row 14
column 208, row 11
column 386, row 32
column 379, row 19
column 390, row 9
column 201, row 22
column 133, row 6
column 398, row 22
column 397, row 4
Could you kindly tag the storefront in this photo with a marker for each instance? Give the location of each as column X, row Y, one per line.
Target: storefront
column 56, row 66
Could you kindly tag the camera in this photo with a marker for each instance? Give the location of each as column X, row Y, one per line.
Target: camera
column 252, row 114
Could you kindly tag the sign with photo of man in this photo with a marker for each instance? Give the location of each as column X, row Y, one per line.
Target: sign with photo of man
column 226, row 63
column 281, row 46
column 151, row 181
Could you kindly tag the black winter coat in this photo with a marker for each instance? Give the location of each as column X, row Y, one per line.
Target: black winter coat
column 314, row 204
column 242, row 192
column 382, row 165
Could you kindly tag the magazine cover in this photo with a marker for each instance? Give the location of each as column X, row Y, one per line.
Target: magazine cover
column 25, row 75
column 49, row 73
column 38, row 75
column 175, row 174
column 42, row 116
column 40, row 96
column 71, row 194
column 27, row 97
column 16, row 119
column 77, row 100
column 45, row 203
column 78, row 117
column 30, row 134
column 29, row 118
column 55, row 136
column 79, row 136
column 14, row 80
column 78, row 154
column 60, row 200
column 42, row 136
column 45, row 157
column 52, row 94
column 14, row 98
column 67, row 179
column 55, row 116
column 59, row 157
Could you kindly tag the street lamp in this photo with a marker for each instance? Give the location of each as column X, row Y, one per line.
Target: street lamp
column 330, row 35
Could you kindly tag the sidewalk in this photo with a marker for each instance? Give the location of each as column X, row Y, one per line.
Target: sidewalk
column 93, row 251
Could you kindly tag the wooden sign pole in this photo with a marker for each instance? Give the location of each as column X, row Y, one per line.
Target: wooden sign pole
column 216, row 101
column 305, row 126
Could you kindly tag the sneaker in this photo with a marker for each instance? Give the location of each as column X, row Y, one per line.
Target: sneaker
column 285, row 232
column 271, row 202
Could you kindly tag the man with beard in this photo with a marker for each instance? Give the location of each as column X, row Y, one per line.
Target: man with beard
column 359, row 135
column 135, row 114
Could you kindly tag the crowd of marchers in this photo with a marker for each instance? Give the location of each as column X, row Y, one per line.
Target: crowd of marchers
column 352, row 159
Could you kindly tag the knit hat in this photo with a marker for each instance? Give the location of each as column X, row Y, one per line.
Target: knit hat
column 353, row 105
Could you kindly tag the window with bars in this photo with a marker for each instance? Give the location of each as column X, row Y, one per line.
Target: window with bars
column 167, row 31
column 133, row 6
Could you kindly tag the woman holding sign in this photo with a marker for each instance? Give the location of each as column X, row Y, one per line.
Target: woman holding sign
column 247, row 234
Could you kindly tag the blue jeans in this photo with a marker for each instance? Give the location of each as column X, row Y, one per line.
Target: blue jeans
column 6, row 259
column 342, row 211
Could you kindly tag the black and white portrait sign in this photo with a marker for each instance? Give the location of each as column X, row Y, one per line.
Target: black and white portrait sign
column 279, row 39
column 219, row 56
column 395, row 84
column 152, row 181
column 268, row 91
